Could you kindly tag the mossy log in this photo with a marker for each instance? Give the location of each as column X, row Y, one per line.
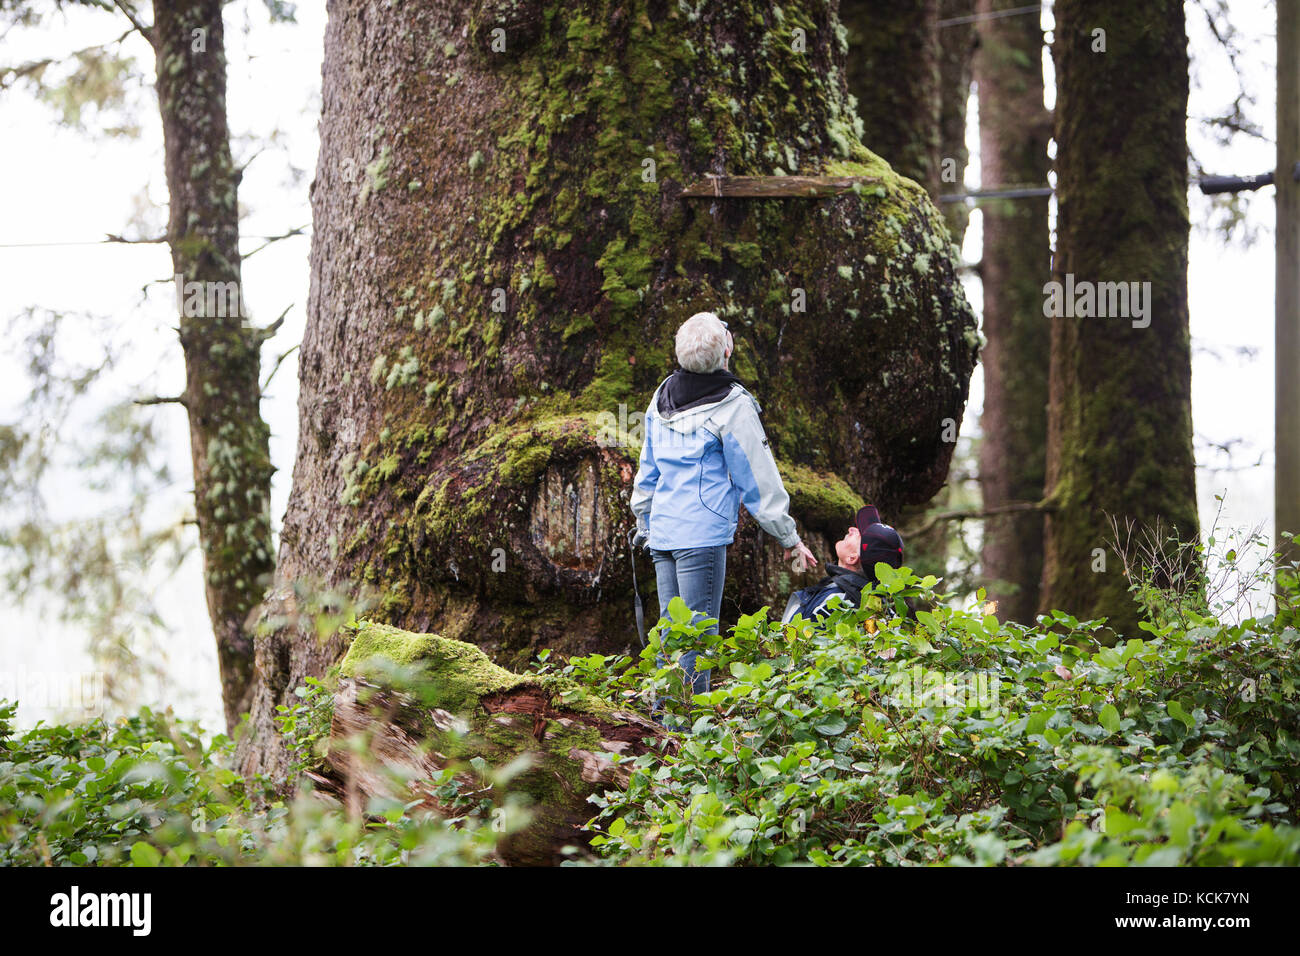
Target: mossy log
column 409, row 705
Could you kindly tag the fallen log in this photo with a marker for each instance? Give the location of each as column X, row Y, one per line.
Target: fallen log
column 409, row 705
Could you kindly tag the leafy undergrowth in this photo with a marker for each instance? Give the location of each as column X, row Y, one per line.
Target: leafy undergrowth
column 876, row 736
column 147, row 791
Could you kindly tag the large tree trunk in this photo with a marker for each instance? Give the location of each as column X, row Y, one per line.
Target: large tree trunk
column 228, row 438
column 1014, row 130
column 502, row 280
column 1119, row 422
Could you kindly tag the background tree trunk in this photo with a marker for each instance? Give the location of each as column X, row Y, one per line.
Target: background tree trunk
column 1286, row 493
column 501, row 256
column 893, row 70
column 228, row 438
column 1014, row 130
column 1119, row 422
column 957, row 45
column 911, row 82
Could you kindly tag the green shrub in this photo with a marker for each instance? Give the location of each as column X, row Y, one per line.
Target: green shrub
column 148, row 791
column 875, row 736
column 871, row 738
column 306, row 726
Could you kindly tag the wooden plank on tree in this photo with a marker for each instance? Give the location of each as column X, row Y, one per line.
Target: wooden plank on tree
column 773, row 187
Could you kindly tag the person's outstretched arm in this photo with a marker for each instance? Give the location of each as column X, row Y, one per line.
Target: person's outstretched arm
column 753, row 469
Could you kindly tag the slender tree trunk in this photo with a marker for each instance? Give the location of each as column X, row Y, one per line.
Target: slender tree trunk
column 1286, row 490
column 1119, row 422
column 228, row 438
column 501, row 256
column 1014, row 130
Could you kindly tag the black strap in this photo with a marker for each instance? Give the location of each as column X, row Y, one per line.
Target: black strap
column 640, row 610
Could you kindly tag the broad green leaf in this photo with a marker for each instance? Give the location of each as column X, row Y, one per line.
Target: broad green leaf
column 831, row 726
column 143, row 854
column 1176, row 711
column 1109, row 718
column 678, row 612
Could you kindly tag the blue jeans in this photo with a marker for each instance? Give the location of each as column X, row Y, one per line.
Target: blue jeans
column 696, row 575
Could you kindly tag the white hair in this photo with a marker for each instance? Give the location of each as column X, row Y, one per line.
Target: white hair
column 702, row 343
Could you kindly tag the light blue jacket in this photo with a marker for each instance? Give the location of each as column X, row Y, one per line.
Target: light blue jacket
column 698, row 466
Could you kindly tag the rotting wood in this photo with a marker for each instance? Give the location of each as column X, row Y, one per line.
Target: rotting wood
column 389, row 741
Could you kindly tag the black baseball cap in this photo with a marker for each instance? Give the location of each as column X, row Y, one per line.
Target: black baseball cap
column 880, row 542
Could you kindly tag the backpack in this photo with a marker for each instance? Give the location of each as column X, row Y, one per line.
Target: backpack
column 808, row 601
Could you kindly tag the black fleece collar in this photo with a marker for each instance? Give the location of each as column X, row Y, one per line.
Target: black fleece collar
column 683, row 389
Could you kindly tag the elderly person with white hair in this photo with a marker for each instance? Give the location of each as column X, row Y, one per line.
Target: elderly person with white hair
column 704, row 455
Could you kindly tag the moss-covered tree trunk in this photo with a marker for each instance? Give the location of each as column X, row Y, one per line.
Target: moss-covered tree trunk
column 1014, row 130
column 228, row 438
column 501, row 256
column 1119, row 422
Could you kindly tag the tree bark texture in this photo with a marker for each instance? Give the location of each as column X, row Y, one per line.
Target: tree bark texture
column 1015, row 128
column 1119, row 420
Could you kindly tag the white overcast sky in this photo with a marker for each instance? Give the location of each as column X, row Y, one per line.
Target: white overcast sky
column 62, row 188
